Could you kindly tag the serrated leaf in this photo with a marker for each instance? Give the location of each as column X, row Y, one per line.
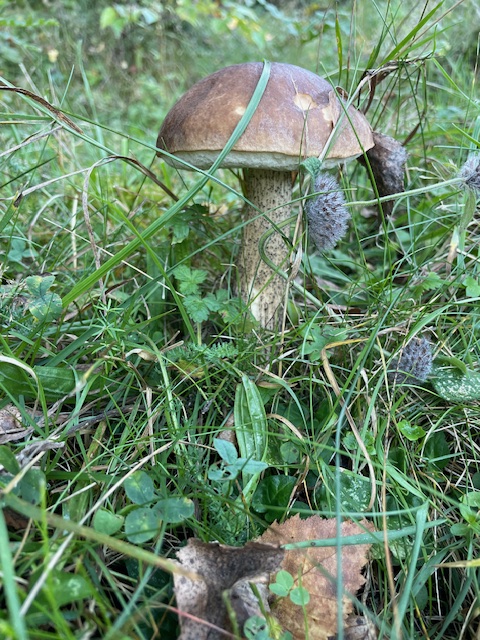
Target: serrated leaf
column 197, row 308
column 44, row 305
column 189, row 279
column 455, row 386
column 430, row 282
column 313, row 166
column 139, row 488
column 472, row 287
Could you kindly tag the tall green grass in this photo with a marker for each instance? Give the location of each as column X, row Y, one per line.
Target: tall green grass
column 128, row 368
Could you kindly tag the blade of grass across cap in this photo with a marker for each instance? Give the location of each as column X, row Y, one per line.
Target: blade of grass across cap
column 141, row 238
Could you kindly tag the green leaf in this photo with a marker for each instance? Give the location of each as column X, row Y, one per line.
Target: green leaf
column 226, row 450
column 32, row 486
column 470, row 509
column 173, row 510
column 313, row 166
column 472, row 287
column 455, row 386
column 65, row 588
column 223, row 472
column 317, row 338
column 8, row 460
column 139, row 488
column 278, row 589
column 437, row 450
column 189, row 279
column 250, row 422
column 251, row 467
column 273, row 495
column 141, row 525
column 197, row 308
column 56, row 382
column 44, row 306
column 354, row 490
column 300, row 596
column 104, row 521
column 431, row 282
column 411, row 432
column 256, row 628
column 290, row 452
column 285, row 579
column 108, row 17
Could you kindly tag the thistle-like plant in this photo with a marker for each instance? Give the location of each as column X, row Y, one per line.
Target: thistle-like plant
column 326, row 213
column 470, row 172
column 415, row 362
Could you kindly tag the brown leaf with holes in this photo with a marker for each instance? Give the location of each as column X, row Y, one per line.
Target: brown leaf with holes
column 223, row 572
column 11, row 427
column 315, row 569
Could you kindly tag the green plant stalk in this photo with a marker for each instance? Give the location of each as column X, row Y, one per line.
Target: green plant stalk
column 125, row 548
column 11, row 595
column 421, row 521
column 372, row 537
column 128, row 610
column 142, row 238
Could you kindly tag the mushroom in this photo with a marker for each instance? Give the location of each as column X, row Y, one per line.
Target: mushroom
column 294, row 120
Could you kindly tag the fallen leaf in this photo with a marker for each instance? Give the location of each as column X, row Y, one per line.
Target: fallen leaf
column 11, row 427
column 223, row 572
column 315, row 569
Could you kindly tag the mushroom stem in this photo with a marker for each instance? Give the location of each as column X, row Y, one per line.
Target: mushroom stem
column 270, row 193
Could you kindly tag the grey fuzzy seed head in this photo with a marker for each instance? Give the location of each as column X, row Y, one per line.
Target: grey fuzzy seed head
column 326, row 213
column 415, row 362
column 470, row 172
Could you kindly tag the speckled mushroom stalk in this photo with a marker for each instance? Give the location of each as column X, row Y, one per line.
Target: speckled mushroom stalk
column 264, row 291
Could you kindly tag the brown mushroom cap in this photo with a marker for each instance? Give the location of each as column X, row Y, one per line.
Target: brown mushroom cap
column 293, row 120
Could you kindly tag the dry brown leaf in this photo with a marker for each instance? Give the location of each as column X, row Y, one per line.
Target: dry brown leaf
column 315, row 569
column 11, row 427
column 222, row 572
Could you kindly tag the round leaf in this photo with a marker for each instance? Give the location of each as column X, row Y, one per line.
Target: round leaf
column 105, row 521
column 173, row 510
column 139, row 488
column 300, row 596
column 411, row 432
column 141, row 525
